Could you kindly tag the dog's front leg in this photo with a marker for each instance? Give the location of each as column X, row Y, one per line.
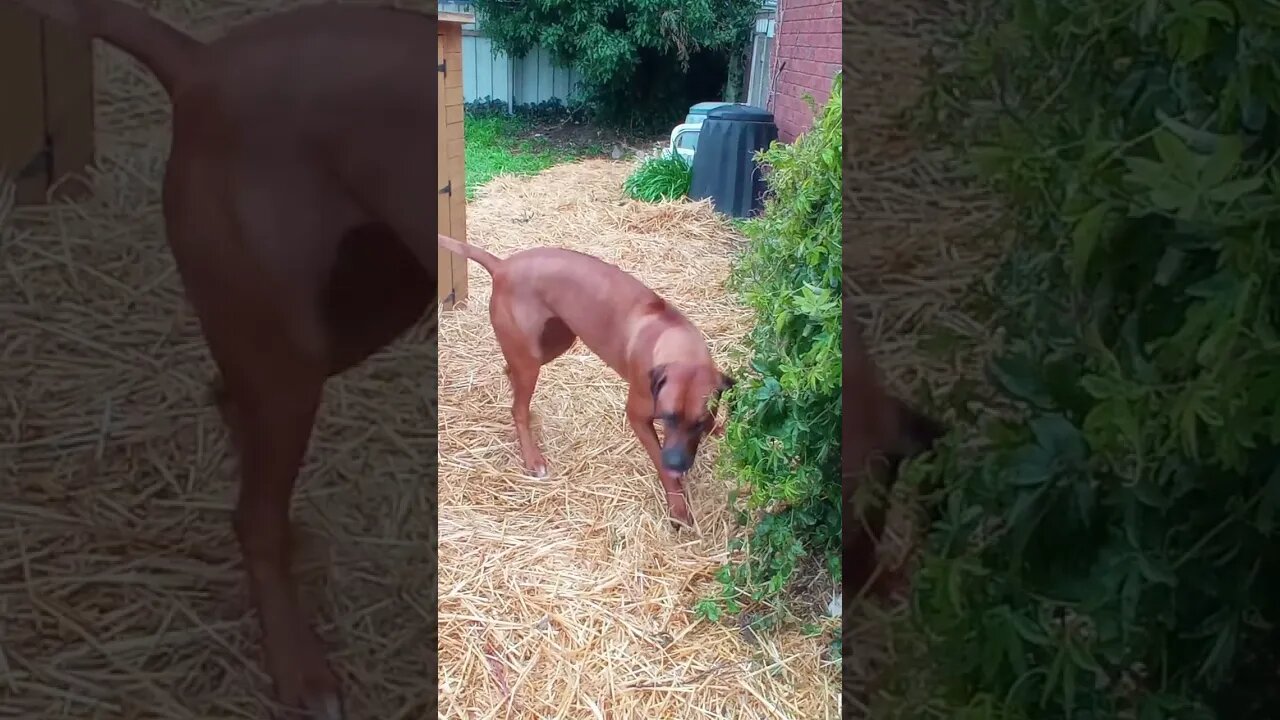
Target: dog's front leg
column 641, row 419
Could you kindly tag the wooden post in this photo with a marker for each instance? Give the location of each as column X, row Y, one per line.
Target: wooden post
column 46, row 87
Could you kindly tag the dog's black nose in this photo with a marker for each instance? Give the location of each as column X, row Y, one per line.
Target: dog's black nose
column 676, row 459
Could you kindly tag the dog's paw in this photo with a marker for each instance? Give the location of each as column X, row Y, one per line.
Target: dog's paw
column 678, row 510
column 325, row 707
column 538, row 470
column 679, row 524
column 312, row 697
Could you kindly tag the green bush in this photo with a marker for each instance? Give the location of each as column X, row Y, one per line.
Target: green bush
column 783, row 430
column 642, row 62
column 1111, row 552
column 660, row 177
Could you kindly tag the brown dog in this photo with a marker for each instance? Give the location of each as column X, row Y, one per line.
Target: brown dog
column 295, row 206
column 879, row 431
column 545, row 298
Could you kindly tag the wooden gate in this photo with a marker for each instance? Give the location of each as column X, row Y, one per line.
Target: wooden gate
column 452, row 200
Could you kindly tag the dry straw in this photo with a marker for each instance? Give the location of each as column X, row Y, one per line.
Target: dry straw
column 570, row 597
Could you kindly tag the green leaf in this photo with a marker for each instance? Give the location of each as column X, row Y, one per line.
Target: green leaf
column 1130, row 596
column 1054, row 677
column 1229, row 192
column 1193, row 43
column 1172, row 196
column 1214, row 286
column 1068, row 686
column 1085, row 237
column 1057, row 435
column 1156, row 572
column 1013, row 649
column 1082, row 658
column 1170, row 266
column 1148, row 493
column 1086, row 497
column 1223, row 162
column 1018, row 376
column 1147, row 173
column 1030, row 467
column 1175, row 155
column 1028, row 630
column 1215, row 10
column 1219, row 655
column 1268, row 502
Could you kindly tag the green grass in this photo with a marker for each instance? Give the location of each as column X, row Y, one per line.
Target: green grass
column 495, row 146
column 663, row 177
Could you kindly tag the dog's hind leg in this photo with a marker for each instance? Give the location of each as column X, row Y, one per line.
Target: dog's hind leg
column 524, row 380
column 273, row 427
column 261, row 317
column 524, row 355
column 556, row 338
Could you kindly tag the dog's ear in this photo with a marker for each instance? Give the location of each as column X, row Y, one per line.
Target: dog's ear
column 917, row 432
column 726, row 382
column 657, row 378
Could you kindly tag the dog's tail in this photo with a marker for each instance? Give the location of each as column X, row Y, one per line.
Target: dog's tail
column 487, row 260
column 164, row 49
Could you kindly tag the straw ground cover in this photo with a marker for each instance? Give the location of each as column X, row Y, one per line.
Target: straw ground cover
column 121, row 589
column 571, row 597
column 918, row 245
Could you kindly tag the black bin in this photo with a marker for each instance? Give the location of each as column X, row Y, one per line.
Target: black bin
column 724, row 168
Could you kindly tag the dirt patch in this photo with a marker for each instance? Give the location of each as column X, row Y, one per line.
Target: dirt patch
column 588, row 140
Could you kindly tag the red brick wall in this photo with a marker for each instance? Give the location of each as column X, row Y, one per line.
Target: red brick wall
column 806, row 58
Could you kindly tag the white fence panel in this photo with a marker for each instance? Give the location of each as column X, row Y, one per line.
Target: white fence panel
column 484, row 73
column 491, row 74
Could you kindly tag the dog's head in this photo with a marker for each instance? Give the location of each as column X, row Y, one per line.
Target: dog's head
column 684, row 398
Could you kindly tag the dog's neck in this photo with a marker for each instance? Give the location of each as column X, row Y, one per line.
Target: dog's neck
column 662, row 335
column 662, row 342
column 679, row 343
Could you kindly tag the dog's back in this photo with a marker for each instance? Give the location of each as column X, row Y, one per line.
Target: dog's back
column 573, row 283
column 602, row 304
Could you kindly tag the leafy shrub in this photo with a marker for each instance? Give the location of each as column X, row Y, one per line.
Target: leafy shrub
column 486, row 107
column 659, row 177
column 550, row 110
column 1111, row 552
column 642, row 62
column 783, row 430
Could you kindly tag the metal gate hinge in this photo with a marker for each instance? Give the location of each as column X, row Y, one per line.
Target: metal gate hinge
column 38, row 166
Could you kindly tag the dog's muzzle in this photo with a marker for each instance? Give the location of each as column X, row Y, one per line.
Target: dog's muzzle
column 676, row 460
